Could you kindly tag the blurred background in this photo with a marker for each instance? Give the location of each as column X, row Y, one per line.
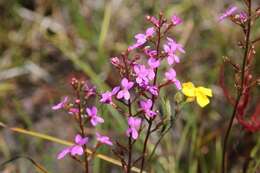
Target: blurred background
column 43, row 43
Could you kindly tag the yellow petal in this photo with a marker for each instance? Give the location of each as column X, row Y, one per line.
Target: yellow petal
column 188, row 89
column 205, row 91
column 202, row 99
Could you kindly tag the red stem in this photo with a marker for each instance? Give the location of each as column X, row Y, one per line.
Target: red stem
column 240, row 92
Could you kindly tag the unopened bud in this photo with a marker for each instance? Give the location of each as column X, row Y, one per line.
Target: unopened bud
column 77, row 101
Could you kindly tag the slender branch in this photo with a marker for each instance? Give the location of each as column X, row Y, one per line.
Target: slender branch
column 145, row 145
column 256, row 40
column 129, row 164
column 240, row 91
column 130, row 144
column 82, row 131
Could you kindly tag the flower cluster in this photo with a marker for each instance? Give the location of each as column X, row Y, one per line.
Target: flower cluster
column 82, row 115
column 154, row 52
column 139, row 75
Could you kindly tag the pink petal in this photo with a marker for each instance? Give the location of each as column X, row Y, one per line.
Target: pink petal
column 150, row 31
column 78, row 138
column 115, row 90
column 76, row 150
column 126, row 95
column 94, row 110
column 170, row 60
column 140, row 36
column 178, row 84
column 89, row 111
column 124, row 82
column 134, row 134
column 176, row 58
column 120, row 94
column 63, row 153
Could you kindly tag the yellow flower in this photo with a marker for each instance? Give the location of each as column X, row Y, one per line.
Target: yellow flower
column 201, row 94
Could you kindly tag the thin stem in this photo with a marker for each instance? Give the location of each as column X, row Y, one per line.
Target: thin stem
column 256, row 40
column 130, row 144
column 145, row 145
column 129, row 164
column 82, row 132
column 240, row 92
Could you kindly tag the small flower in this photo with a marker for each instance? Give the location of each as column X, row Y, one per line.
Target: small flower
column 230, row 11
column 153, row 63
column 170, row 75
column 61, row 104
column 176, row 20
column 149, row 52
column 143, row 74
column 133, row 127
column 103, row 139
column 171, row 49
column 146, row 106
column 124, row 92
column 153, row 90
column 243, row 17
column 201, row 94
column 142, row 38
column 76, row 149
column 107, row 96
column 89, row 90
column 94, row 118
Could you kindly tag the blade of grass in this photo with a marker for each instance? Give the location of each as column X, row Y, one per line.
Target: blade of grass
column 63, row 142
column 38, row 166
column 103, row 34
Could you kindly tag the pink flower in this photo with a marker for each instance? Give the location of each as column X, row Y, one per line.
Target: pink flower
column 170, row 75
column 243, row 17
column 89, row 90
column 143, row 74
column 176, row 20
column 107, row 96
column 142, row 38
column 94, row 118
column 124, row 92
column 61, row 104
column 133, row 127
column 103, row 139
column 171, row 49
column 153, row 63
column 149, row 52
column 146, row 106
column 76, row 149
column 230, row 11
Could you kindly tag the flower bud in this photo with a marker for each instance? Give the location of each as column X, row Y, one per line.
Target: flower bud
column 77, row 101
